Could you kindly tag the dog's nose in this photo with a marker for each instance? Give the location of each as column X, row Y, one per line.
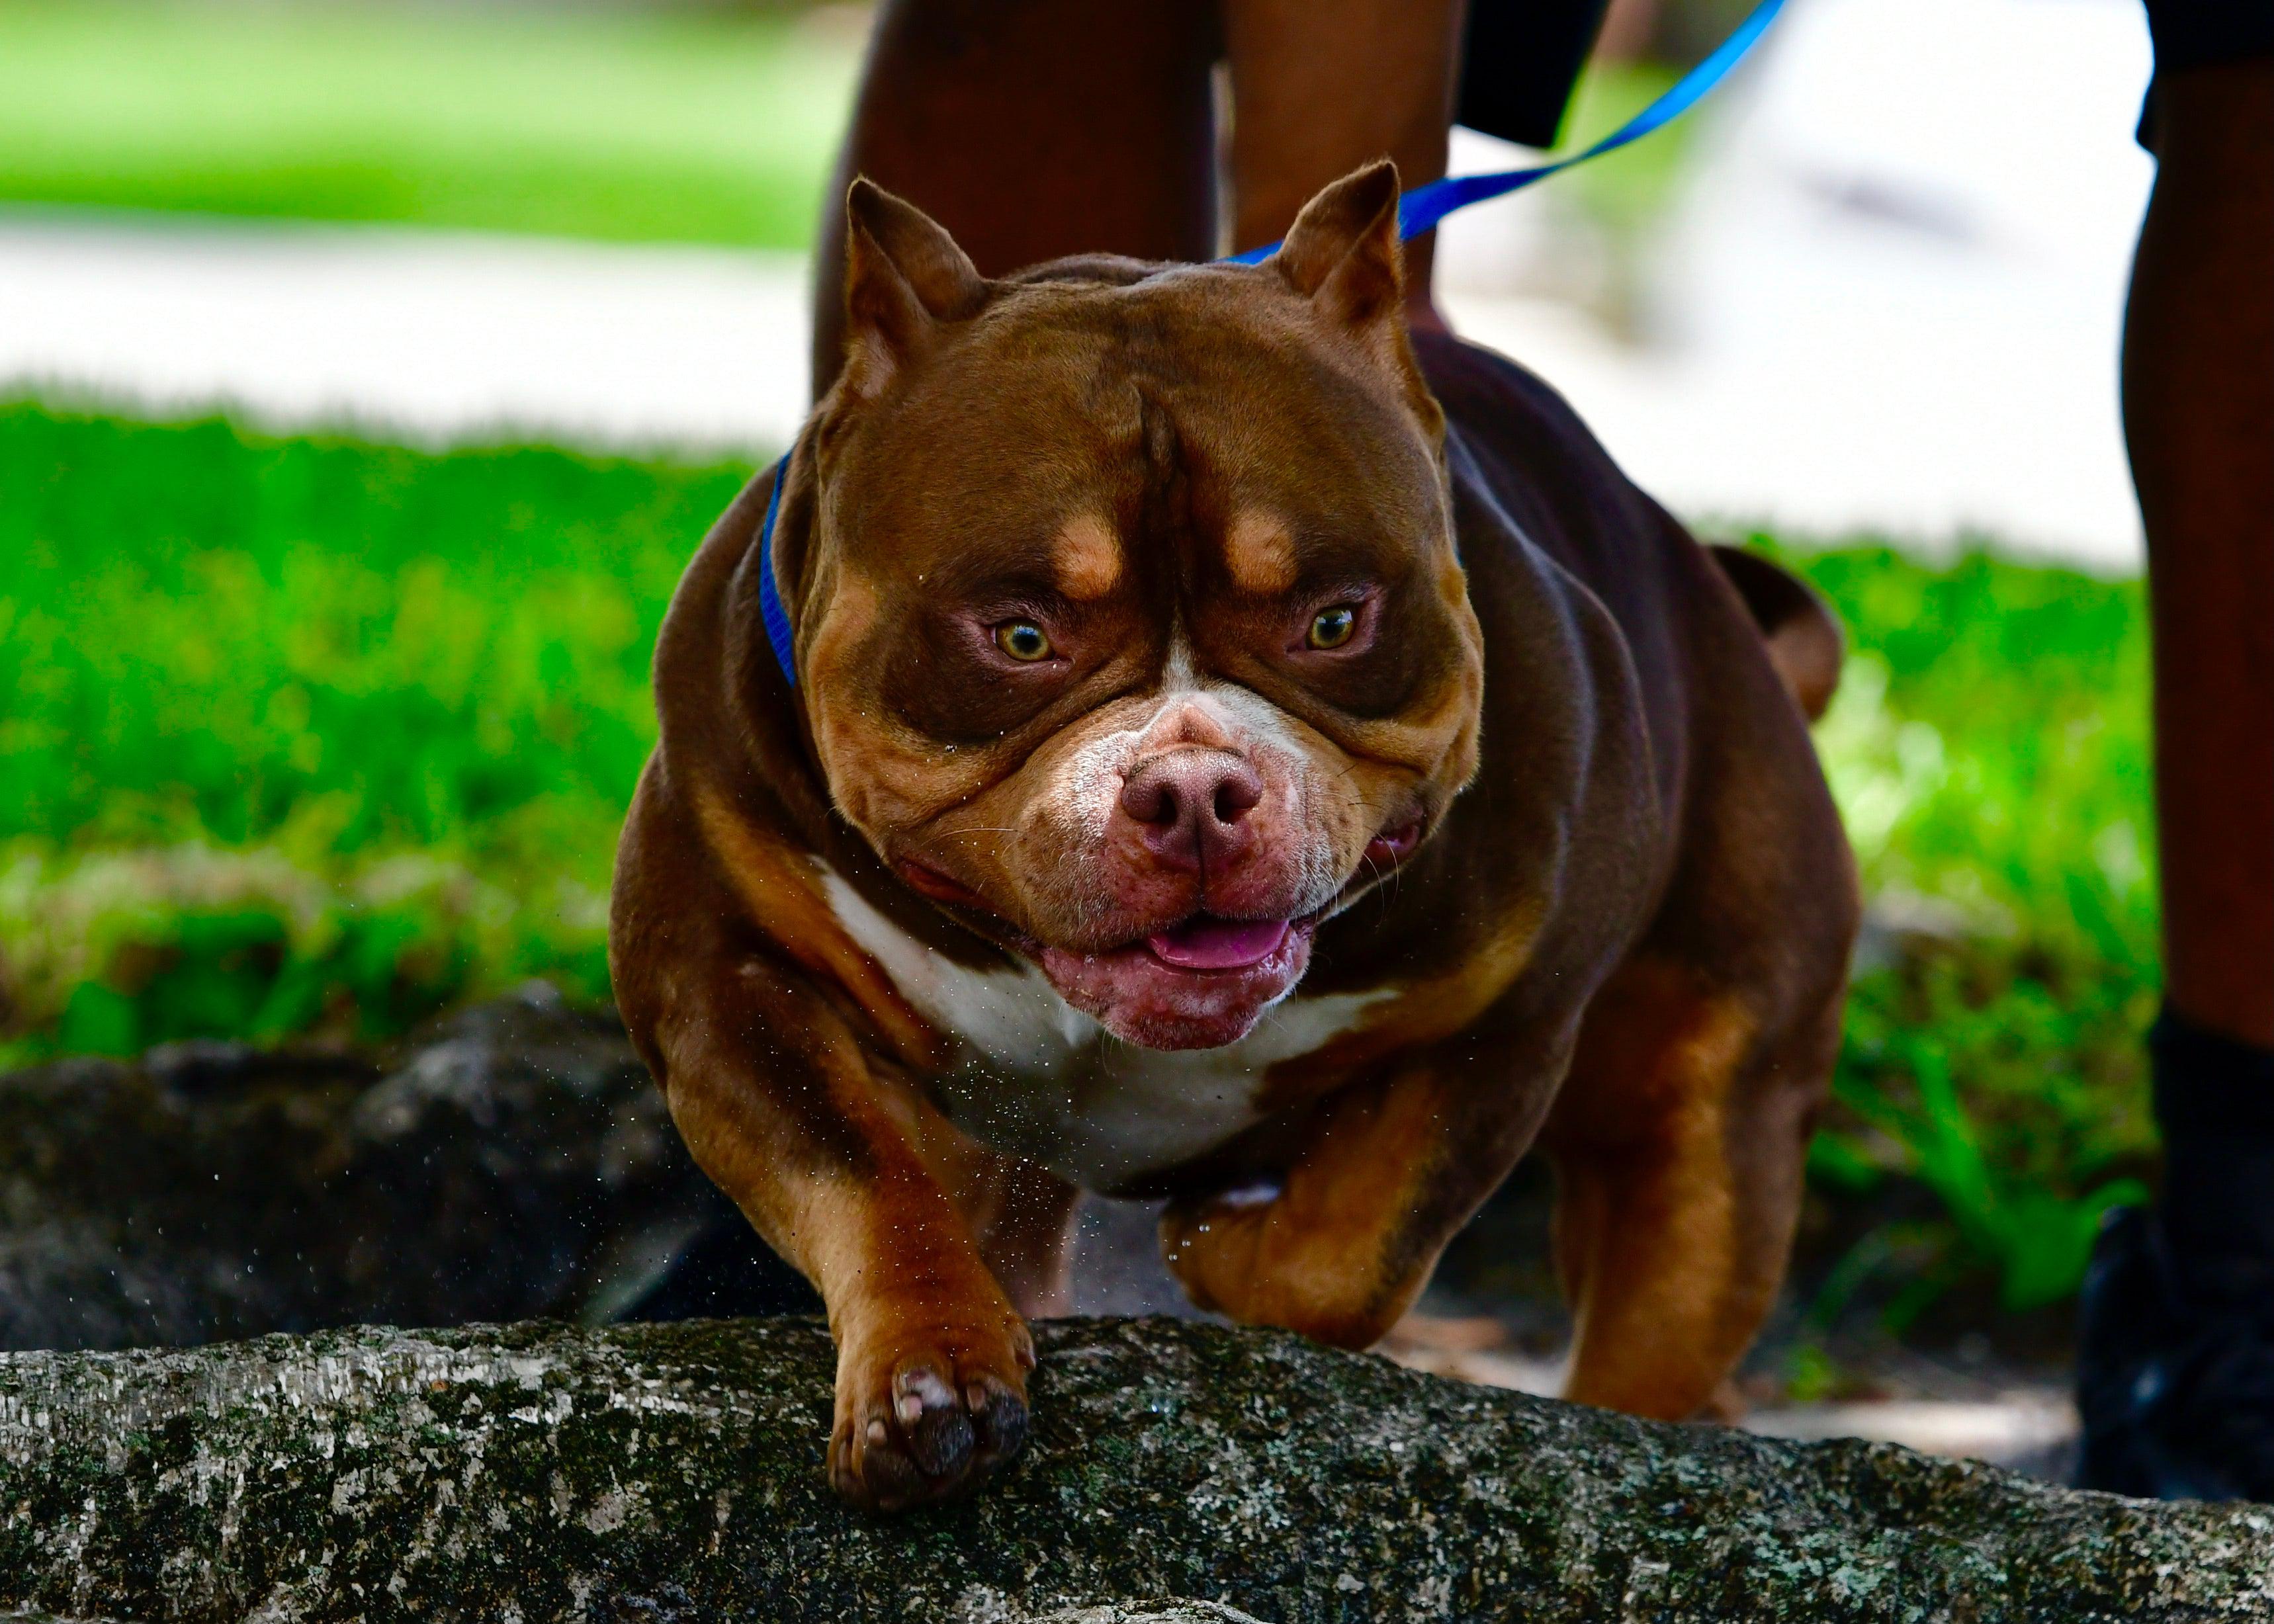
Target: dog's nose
column 1191, row 806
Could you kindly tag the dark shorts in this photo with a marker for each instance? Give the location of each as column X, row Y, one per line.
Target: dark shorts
column 1519, row 65
column 2196, row 33
column 1523, row 57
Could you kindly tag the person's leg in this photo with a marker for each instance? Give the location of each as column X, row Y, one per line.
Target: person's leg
column 1320, row 87
column 2199, row 417
column 1037, row 128
column 2176, row 1356
column 1032, row 129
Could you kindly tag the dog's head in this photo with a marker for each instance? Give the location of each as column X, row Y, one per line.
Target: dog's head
column 1129, row 625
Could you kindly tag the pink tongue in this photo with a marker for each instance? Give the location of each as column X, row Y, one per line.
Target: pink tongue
column 1218, row 943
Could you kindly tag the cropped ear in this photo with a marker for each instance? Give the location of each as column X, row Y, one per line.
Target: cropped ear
column 1343, row 252
column 904, row 276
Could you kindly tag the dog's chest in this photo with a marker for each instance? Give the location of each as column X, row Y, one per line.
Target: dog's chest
column 1042, row 1081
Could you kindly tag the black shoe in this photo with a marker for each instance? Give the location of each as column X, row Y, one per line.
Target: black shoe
column 2176, row 1394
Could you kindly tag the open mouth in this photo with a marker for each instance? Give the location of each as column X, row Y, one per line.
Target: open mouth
column 1202, row 983
column 1199, row 984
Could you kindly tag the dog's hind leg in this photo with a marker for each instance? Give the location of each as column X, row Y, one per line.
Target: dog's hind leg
column 1678, row 1143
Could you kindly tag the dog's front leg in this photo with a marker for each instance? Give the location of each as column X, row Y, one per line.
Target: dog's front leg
column 1384, row 1172
column 822, row 1147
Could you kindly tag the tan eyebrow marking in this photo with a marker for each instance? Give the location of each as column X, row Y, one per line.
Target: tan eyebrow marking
column 1260, row 554
column 1087, row 558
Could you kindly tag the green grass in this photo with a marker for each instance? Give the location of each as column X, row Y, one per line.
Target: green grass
column 625, row 125
column 307, row 736
column 311, row 737
column 1988, row 747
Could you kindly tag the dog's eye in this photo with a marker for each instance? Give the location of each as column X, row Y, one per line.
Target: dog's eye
column 1330, row 628
column 1023, row 641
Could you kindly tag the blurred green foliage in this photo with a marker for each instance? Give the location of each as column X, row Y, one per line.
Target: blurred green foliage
column 1626, row 193
column 307, row 737
column 1990, row 751
column 630, row 124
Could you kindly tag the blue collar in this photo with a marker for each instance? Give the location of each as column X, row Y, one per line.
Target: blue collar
column 770, row 608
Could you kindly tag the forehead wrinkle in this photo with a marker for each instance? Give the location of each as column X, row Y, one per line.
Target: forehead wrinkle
column 1416, row 745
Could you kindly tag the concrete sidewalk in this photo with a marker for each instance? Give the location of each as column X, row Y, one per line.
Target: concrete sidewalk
column 435, row 337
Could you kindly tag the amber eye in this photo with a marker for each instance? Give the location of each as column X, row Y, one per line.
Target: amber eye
column 1330, row 628
column 1023, row 641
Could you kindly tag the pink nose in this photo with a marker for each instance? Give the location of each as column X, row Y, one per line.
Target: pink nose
column 1191, row 807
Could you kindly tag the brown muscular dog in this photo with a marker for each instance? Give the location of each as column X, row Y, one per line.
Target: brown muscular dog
column 1237, row 754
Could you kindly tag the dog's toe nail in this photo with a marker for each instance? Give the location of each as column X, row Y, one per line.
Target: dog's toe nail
column 931, row 1418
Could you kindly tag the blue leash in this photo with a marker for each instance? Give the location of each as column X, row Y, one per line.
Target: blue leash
column 1418, row 211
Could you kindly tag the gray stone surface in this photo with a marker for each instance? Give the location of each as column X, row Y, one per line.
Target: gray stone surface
column 513, row 1162
column 1140, row 1614
column 675, row 1473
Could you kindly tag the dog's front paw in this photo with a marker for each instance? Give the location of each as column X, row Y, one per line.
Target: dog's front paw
column 926, row 1410
column 1215, row 1248
column 1257, row 1257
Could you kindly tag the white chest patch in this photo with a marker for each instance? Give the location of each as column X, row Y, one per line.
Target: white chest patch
column 1042, row 1081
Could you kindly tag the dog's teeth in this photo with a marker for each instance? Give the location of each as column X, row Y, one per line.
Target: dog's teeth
column 877, row 1433
column 975, row 1396
column 911, row 1408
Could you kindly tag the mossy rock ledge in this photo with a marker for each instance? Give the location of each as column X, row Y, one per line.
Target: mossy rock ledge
column 1178, row 1472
